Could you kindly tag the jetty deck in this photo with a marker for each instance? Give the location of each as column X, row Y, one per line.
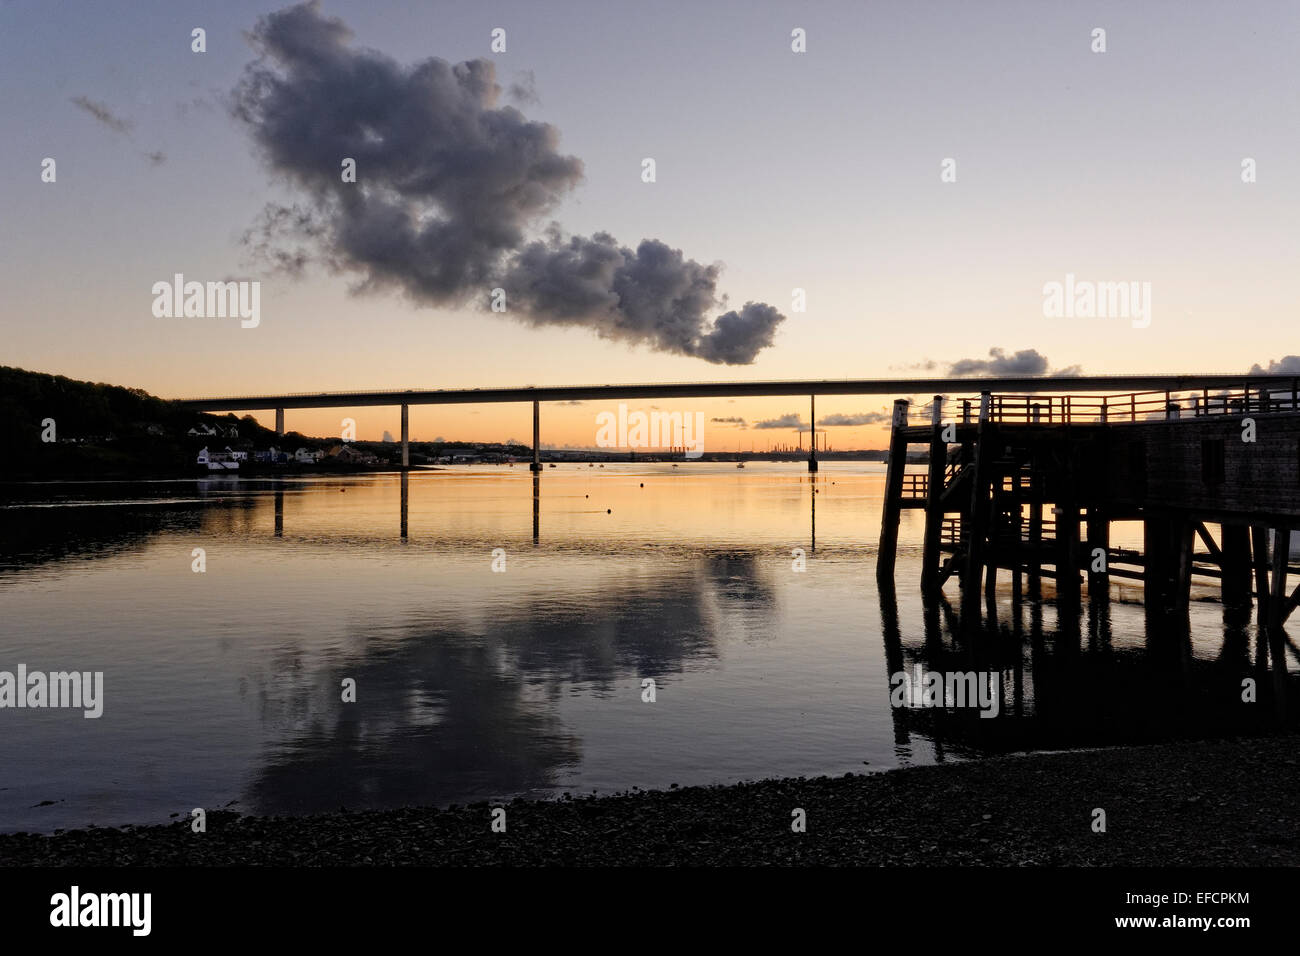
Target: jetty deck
column 1031, row 485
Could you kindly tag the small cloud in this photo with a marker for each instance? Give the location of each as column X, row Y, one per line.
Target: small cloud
column 1024, row 362
column 571, row 403
column 156, row 158
column 103, row 114
column 785, row 421
column 862, row 418
column 730, row 420
column 1287, row 365
column 388, row 436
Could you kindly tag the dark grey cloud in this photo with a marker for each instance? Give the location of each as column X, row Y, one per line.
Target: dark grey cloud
column 156, row 158
column 785, row 421
column 522, row 88
column 730, row 420
column 1287, row 365
column 862, row 418
column 451, row 192
column 103, row 114
column 1024, row 362
column 652, row 295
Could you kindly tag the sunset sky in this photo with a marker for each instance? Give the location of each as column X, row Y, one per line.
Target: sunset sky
column 817, row 171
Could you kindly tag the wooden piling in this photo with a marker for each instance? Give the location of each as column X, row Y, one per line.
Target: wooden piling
column 1259, row 535
column 1098, row 537
column 933, row 500
column 1234, row 563
column 894, row 470
column 1068, row 589
column 1035, row 538
column 978, row 512
column 1276, row 604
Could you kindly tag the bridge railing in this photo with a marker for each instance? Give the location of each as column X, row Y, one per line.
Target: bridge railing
column 1123, row 407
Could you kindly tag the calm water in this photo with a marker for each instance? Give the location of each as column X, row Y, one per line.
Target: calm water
column 472, row 684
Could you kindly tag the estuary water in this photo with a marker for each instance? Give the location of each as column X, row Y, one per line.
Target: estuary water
column 500, row 633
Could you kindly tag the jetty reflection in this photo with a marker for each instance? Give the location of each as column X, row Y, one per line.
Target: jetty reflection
column 1059, row 692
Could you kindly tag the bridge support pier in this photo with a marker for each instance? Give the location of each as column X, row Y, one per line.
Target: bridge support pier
column 536, row 466
column 812, row 432
column 279, row 421
column 406, row 439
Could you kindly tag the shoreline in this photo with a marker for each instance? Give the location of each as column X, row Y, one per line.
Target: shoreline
column 1232, row 802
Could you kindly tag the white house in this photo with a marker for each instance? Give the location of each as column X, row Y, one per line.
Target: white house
column 218, row 460
column 306, row 456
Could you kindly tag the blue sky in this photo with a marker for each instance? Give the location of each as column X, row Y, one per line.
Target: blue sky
column 817, row 171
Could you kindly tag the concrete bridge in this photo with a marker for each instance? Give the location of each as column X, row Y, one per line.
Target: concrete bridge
column 1174, row 384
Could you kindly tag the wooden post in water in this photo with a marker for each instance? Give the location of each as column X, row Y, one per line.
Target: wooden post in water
column 993, row 554
column 894, row 470
column 978, row 513
column 1276, row 610
column 1259, row 534
column 1167, row 543
column 1235, row 565
column 1035, row 533
column 1098, row 537
column 1067, row 555
column 933, row 498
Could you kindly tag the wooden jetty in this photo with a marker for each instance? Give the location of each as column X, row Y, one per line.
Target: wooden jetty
column 1031, row 484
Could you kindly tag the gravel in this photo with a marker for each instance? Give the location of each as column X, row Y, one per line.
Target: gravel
column 1217, row 803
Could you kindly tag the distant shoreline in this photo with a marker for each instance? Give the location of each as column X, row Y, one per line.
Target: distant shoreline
column 271, row 473
column 1208, row 803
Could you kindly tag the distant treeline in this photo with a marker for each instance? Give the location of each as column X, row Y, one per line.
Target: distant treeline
column 107, row 431
column 98, row 430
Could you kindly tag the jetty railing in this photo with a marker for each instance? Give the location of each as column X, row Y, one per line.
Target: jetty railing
column 1089, row 408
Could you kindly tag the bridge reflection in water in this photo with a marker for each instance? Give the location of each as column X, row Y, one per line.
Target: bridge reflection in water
column 478, row 685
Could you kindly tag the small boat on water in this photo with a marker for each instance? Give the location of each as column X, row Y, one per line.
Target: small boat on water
column 740, row 464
